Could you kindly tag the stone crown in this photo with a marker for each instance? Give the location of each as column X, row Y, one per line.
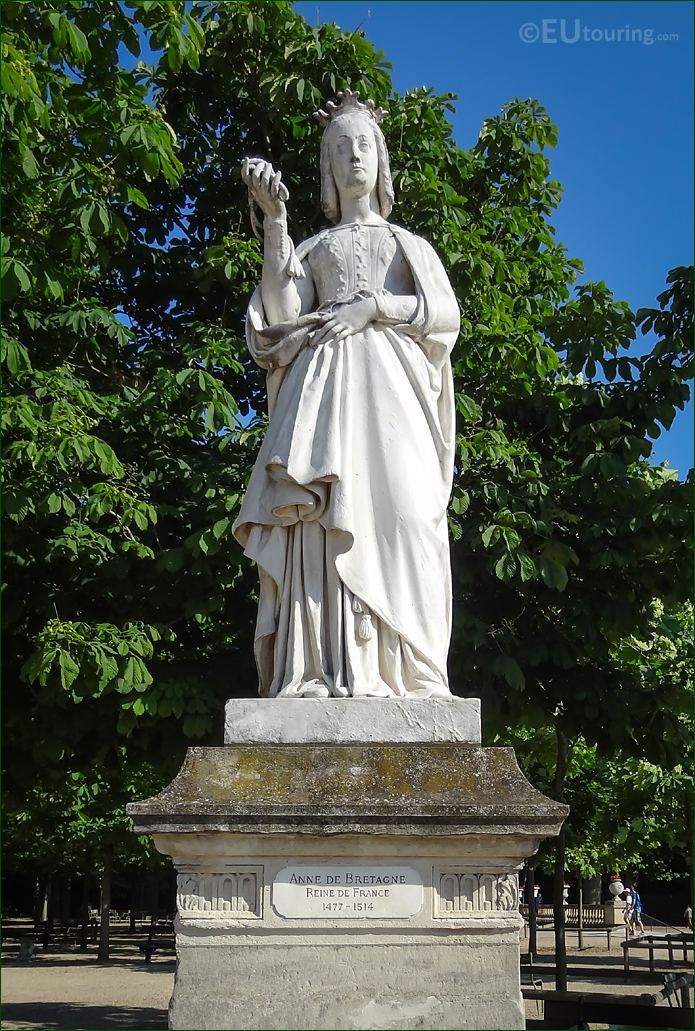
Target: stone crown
column 348, row 101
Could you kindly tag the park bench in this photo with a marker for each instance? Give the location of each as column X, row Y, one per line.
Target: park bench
column 27, row 949
column 652, row 943
column 164, row 943
column 544, row 916
column 149, row 947
column 579, row 1009
column 594, row 918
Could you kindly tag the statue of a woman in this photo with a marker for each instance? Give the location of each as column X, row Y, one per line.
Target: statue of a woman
column 345, row 512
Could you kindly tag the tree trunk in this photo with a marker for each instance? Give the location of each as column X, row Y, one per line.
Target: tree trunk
column 592, row 891
column 65, row 900
column 84, row 912
column 580, row 907
column 689, row 851
column 56, row 901
column 47, row 910
column 105, row 908
column 135, row 901
column 531, row 903
column 38, row 902
column 558, row 888
column 45, row 900
column 154, row 898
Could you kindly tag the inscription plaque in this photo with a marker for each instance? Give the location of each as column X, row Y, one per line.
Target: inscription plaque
column 347, row 892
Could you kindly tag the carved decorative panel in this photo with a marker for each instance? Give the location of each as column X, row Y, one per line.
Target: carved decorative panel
column 220, row 894
column 458, row 892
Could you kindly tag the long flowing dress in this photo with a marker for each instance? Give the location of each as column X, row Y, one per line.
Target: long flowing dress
column 345, row 511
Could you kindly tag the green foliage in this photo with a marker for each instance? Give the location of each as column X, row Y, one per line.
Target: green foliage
column 628, row 814
column 133, row 412
column 117, row 490
column 66, row 823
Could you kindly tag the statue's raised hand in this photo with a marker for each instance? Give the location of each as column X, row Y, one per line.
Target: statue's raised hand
column 265, row 186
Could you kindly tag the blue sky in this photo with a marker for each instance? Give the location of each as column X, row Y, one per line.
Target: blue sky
column 624, row 108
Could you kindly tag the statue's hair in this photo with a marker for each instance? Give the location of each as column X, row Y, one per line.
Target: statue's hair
column 330, row 201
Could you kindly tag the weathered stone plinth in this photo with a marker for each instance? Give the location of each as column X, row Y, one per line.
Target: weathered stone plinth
column 348, row 885
column 341, row 721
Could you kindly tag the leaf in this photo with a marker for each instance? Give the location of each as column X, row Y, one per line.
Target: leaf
column 559, row 552
column 220, row 528
column 100, row 222
column 15, row 278
column 59, row 23
column 510, row 669
column 455, row 529
column 15, row 355
column 130, row 38
column 16, row 504
column 469, row 409
column 150, row 159
column 108, row 670
column 527, row 567
column 85, row 218
column 209, row 418
column 505, row 567
column 29, row 166
column 137, row 197
column 460, row 503
column 53, row 503
column 78, row 41
column 54, row 288
column 490, row 535
column 174, row 56
column 554, row 575
column 511, row 538
column 196, row 33
column 69, row 670
column 33, row 667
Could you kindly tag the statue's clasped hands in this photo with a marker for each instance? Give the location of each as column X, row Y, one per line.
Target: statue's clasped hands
column 345, row 320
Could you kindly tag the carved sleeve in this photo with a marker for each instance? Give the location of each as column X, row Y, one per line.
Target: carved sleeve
column 395, row 309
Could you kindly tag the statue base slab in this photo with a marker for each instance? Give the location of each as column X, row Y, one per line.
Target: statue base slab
column 335, row 886
column 298, row 721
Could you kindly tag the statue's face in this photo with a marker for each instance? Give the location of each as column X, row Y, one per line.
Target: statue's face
column 354, row 159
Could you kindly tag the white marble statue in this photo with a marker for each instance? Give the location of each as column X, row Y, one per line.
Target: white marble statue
column 345, row 513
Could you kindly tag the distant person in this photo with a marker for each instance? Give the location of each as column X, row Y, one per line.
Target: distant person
column 636, row 910
column 628, row 912
column 688, row 917
column 537, row 898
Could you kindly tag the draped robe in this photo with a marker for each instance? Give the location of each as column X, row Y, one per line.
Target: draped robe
column 345, row 511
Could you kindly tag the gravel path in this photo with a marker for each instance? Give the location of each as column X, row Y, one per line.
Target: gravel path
column 63, row 988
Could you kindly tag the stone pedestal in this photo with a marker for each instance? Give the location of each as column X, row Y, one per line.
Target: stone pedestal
column 327, row 882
